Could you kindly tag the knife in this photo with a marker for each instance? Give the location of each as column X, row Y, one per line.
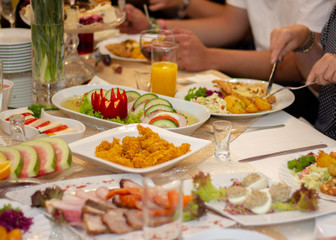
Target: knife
column 250, row 159
column 271, row 78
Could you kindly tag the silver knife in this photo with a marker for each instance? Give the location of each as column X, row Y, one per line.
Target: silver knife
column 271, row 78
column 250, row 159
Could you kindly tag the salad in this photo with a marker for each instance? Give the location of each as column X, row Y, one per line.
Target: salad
column 234, row 98
column 313, row 170
column 213, row 100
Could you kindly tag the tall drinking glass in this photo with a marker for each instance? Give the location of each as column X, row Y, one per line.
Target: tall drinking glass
column 222, row 134
column 162, row 209
column 8, row 10
column 146, row 38
column 164, row 67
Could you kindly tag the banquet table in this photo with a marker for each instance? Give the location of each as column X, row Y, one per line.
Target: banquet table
column 294, row 134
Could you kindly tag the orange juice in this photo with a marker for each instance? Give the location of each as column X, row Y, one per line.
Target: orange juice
column 163, row 78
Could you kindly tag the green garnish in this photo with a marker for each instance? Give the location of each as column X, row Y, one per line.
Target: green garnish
column 37, row 108
column 205, row 188
column 8, row 206
column 299, row 164
column 193, row 93
column 86, row 108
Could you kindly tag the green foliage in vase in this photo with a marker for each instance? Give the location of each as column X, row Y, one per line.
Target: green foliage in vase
column 48, row 39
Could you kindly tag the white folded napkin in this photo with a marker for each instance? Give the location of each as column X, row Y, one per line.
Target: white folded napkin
column 97, row 81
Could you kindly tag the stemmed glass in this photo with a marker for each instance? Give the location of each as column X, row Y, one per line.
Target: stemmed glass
column 146, row 38
column 8, row 10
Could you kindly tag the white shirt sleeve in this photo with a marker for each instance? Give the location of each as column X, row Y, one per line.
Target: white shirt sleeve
column 237, row 3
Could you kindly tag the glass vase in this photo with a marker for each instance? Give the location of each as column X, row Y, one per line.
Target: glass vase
column 47, row 49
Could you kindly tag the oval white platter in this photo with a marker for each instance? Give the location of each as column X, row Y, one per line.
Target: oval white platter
column 283, row 99
column 198, row 111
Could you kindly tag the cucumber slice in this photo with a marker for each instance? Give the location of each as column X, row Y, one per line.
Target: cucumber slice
column 46, row 155
column 16, row 160
column 157, row 101
column 88, row 95
column 31, row 162
column 159, row 107
column 108, row 93
column 132, row 95
column 165, row 123
column 62, row 150
column 144, row 98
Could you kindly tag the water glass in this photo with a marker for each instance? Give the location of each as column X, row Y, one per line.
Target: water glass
column 147, row 36
column 143, row 81
column 222, row 134
column 164, row 67
column 17, row 129
column 162, row 209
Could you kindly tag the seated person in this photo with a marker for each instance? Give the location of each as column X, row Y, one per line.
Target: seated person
column 199, row 39
column 317, row 62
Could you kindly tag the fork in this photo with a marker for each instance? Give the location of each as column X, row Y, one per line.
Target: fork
column 291, row 88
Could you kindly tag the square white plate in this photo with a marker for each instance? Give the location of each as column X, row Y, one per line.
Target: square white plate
column 225, row 180
column 85, row 148
column 210, row 221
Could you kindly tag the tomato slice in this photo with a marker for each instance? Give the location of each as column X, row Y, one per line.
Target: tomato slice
column 56, row 129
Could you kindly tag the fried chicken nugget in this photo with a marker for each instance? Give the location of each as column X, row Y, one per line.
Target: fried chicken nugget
column 131, row 146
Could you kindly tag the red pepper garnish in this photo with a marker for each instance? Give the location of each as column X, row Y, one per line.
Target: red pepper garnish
column 30, row 120
column 56, row 129
column 115, row 107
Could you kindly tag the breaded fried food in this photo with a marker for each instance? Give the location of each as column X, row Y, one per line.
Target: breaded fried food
column 128, row 49
column 148, row 149
column 225, row 86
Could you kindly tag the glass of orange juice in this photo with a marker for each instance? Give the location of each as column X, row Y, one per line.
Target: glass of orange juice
column 164, row 67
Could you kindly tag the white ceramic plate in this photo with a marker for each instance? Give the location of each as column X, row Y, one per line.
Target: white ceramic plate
column 119, row 39
column 288, row 178
column 209, row 221
column 283, row 99
column 198, row 111
column 85, row 148
column 14, row 37
column 41, row 227
column 227, row 234
column 225, row 180
column 30, row 131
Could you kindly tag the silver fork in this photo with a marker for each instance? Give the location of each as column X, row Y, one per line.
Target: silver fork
column 291, row 88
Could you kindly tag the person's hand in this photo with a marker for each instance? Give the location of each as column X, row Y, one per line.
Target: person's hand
column 156, row 5
column 286, row 39
column 324, row 70
column 192, row 54
column 135, row 22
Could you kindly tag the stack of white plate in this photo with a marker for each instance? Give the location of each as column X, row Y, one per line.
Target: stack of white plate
column 15, row 51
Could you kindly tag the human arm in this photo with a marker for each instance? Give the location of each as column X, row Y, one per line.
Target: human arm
column 195, row 56
column 225, row 30
column 285, row 40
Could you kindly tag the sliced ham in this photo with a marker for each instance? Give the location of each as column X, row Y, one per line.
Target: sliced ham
column 71, row 212
column 134, row 218
column 127, row 183
column 116, row 222
column 94, row 224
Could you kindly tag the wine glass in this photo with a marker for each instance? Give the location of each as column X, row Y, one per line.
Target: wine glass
column 8, row 10
column 146, row 38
